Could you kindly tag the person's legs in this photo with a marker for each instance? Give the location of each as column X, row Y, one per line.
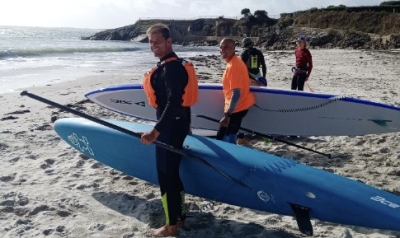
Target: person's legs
column 229, row 134
column 294, row 82
column 234, row 126
column 301, row 79
column 221, row 133
column 232, row 138
column 171, row 186
column 235, row 122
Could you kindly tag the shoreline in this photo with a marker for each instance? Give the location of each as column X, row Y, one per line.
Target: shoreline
column 48, row 189
column 210, row 58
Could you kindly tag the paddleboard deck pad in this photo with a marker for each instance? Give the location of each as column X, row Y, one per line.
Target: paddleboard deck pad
column 276, row 112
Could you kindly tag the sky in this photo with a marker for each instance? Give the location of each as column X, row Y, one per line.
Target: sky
column 107, row 14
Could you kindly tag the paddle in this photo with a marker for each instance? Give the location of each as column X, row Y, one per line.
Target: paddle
column 309, row 87
column 135, row 134
column 270, row 137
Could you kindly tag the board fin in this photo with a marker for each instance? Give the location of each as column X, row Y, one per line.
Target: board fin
column 302, row 215
column 381, row 122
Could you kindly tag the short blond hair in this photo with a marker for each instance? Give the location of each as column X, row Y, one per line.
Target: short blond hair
column 159, row 28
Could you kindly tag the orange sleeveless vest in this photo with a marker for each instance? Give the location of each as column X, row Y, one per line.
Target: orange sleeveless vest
column 191, row 94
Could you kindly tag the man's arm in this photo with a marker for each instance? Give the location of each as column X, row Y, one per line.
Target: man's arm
column 224, row 122
column 310, row 64
column 234, row 100
column 263, row 65
column 244, row 55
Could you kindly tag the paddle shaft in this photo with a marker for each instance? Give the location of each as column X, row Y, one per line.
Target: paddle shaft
column 309, row 87
column 131, row 133
column 270, row 137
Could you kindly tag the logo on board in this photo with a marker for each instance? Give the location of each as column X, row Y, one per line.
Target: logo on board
column 142, row 103
column 385, row 202
column 265, row 196
column 121, row 101
column 81, row 143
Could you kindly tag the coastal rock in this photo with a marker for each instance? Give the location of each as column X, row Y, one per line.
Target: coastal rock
column 142, row 38
column 123, row 33
column 332, row 27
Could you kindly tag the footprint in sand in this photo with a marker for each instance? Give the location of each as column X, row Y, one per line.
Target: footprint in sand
column 39, row 209
column 7, row 178
column 3, row 146
column 8, row 118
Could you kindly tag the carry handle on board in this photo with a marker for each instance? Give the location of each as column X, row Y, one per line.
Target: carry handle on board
column 135, row 134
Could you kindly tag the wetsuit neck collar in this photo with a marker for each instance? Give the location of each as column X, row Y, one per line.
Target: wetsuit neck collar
column 169, row 55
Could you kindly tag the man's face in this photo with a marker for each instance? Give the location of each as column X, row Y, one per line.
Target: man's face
column 226, row 49
column 159, row 45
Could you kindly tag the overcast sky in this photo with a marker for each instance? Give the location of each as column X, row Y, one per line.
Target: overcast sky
column 102, row 14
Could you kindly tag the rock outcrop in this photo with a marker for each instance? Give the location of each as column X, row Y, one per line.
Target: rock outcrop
column 324, row 28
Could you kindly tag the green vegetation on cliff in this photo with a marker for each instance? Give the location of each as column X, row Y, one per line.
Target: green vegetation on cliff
column 335, row 26
column 377, row 22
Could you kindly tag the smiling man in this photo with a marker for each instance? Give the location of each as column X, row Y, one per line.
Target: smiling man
column 236, row 89
column 170, row 89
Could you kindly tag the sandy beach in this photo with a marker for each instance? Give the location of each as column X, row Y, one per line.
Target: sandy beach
column 47, row 189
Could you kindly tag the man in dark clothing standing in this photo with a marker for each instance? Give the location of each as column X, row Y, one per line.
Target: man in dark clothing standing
column 166, row 88
column 254, row 58
column 304, row 65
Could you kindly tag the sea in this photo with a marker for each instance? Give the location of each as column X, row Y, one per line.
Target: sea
column 38, row 56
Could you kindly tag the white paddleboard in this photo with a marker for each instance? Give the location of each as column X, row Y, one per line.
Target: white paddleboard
column 276, row 112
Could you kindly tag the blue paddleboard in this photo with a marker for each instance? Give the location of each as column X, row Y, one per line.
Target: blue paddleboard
column 275, row 184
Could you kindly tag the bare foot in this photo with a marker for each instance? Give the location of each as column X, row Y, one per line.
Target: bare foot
column 167, row 230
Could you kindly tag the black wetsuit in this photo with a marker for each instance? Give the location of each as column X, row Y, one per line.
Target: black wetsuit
column 246, row 57
column 169, row 82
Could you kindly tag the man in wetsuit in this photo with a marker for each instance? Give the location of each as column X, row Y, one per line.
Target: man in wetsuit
column 236, row 90
column 304, row 65
column 254, row 58
column 168, row 83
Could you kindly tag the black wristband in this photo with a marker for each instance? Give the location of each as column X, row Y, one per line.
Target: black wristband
column 227, row 114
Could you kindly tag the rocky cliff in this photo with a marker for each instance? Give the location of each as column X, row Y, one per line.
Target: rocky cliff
column 356, row 27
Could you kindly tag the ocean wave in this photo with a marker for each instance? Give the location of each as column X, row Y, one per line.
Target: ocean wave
column 15, row 53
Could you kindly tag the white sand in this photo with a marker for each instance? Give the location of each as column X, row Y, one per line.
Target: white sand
column 48, row 190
